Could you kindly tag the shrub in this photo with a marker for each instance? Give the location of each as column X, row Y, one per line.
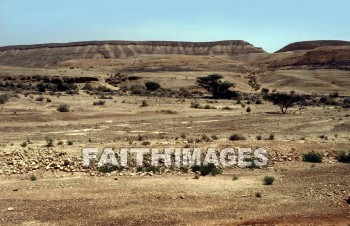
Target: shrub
column 144, row 103
column 137, row 89
column 146, row 143
column 312, row 157
column 236, row 136
column 259, row 137
column 49, row 142
column 70, row 142
column 206, row 169
column 100, row 102
column 39, row 98
column 235, row 177
column 257, row 194
column 268, row 180
column 33, row 178
column 227, row 108
column 60, row 142
column 4, row 98
column 215, row 137
column 271, row 136
column 152, row 86
column 195, row 104
column 218, row 88
column 88, row 87
column 258, row 102
column 63, row 108
column 48, row 100
column 24, row 144
column 249, row 109
column 344, row 157
column 107, row 168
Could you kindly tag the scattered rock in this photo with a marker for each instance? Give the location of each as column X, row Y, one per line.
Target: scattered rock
column 10, row 209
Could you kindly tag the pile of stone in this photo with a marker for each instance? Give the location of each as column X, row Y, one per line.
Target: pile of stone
column 27, row 160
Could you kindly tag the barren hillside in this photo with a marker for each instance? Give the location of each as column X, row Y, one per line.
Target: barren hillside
column 308, row 45
column 45, row 55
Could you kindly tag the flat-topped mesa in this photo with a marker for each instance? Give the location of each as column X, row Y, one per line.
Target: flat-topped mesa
column 43, row 55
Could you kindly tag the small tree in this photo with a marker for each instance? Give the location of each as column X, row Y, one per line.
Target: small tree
column 152, row 86
column 218, row 88
column 284, row 100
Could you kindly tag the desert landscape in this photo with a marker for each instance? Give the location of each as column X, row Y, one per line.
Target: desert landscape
column 56, row 99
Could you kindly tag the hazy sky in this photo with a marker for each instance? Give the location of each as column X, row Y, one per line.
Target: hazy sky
column 269, row 24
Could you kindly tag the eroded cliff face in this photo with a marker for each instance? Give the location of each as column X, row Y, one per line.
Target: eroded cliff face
column 46, row 55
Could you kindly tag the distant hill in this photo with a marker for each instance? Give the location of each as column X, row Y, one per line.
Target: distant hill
column 46, row 55
column 310, row 45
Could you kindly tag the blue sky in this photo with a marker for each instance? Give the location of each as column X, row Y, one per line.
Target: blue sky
column 270, row 24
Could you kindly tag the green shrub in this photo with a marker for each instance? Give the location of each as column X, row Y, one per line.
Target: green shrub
column 206, row 169
column 312, row 157
column 268, row 180
column 63, row 108
column 344, row 156
column 146, row 143
column 137, row 89
column 70, row 142
column 236, row 136
column 152, row 86
column 33, row 178
column 107, row 168
column 4, row 98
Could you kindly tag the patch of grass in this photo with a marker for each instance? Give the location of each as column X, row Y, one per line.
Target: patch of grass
column 63, row 108
column 236, row 136
column 312, row 157
column 268, row 180
column 257, row 194
column 234, row 177
column 215, row 137
column 343, row 156
column 271, row 136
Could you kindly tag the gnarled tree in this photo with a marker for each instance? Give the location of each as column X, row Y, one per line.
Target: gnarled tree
column 218, row 88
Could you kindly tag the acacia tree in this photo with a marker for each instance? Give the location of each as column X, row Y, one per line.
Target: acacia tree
column 284, row 100
column 218, row 88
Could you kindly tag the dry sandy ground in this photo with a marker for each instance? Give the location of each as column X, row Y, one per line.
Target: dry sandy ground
column 300, row 195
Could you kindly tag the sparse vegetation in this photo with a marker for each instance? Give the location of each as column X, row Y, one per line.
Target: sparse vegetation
column 4, row 98
column 144, row 103
column 100, row 102
column 204, row 170
column 312, row 157
column 33, row 178
column 63, row 108
column 344, row 156
column 236, row 136
column 268, row 180
column 152, row 86
column 218, row 88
